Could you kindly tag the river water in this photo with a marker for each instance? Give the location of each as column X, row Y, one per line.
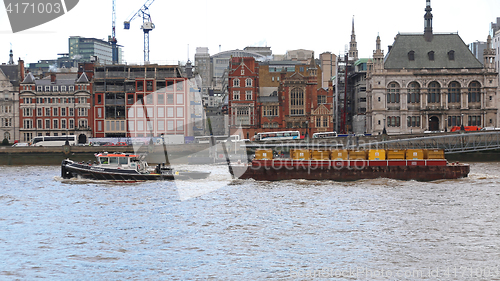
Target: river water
column 223, row 229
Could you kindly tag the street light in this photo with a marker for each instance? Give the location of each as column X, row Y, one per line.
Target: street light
column 446, row 125
column 462, row 123
column 384, row 131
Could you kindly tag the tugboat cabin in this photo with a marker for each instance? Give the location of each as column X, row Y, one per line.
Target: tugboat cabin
column 118, row 159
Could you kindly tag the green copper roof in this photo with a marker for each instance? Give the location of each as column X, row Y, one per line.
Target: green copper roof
column 441, row 44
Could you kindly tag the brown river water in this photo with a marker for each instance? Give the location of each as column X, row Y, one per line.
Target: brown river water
column 224, row 229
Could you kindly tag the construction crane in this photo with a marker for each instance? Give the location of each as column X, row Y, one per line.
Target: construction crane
column 146, row 27
column 112, row 38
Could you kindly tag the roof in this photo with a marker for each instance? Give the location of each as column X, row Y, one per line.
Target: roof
column 11, row 72
column 360, row 61
column 441, row 44
column 83, row 78
column 29, row 78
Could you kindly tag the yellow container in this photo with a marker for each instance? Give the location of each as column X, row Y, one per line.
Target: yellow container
column 263, row 154
column 339, row 154
column 320, row 155
column 376, row 154
column 414, row 154
column 395, row 154
column 300, row 154
column 358, row 154
column 434, row 154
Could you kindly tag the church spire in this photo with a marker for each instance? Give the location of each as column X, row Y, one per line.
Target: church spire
column 428, row 22
column 353, row 49
column 11, row 60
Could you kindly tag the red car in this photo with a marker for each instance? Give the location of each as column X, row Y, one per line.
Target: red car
column 116, row 144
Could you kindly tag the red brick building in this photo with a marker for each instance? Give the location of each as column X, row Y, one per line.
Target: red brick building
column 55, row 105
column 299, row 104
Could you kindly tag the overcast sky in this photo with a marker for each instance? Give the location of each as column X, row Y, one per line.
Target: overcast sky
column 318, row 25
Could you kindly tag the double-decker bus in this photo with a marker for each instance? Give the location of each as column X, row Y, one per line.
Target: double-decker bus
column 325, row 135
column 283, row 135
column 53, row 140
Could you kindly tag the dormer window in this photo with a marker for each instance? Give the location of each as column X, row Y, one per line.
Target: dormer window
column 451, row 55
column 411, row 55
column 431, row 55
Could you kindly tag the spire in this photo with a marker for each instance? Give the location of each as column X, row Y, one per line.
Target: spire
column 11, row 60
column 353, row 49
column 312, row 67
column 428, row 22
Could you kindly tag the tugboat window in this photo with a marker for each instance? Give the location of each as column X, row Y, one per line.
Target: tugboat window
column 103, row 160
column 123, row 161
column 113, row 160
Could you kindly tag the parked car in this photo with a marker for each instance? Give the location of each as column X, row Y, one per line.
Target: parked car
column 109, row 144
column 121, row 144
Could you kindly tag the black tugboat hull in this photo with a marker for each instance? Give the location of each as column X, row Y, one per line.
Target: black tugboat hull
column 70, row 169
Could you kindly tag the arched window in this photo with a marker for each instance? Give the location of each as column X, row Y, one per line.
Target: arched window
column 474, row 92
column 411, row 55
column 433, row 92
column 451, row 55
column 393, row 93
column 236, row 82
column 297, row 102
column 454, row 92
column 414, row 93
column 248, row 82
column 431, row 55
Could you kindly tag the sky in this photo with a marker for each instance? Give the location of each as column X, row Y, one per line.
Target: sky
column 222, row 25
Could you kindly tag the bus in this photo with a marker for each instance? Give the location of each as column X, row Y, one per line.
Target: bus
column 217, row 139
column 283, row 135
column 325, row 135
column 53, row 140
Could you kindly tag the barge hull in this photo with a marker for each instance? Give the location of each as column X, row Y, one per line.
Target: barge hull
column 267, row 170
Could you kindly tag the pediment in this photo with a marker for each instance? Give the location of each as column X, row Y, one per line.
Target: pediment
column 322, row 110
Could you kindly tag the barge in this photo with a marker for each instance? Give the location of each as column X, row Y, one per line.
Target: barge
column 376, row 164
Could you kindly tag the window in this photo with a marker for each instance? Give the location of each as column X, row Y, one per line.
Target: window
column 40, row 124
column 411, row 55
column 71, row 111
column 180, row 98
column 180, row 112
column 414, row 93
column 63, row 88
column 170, row 125
column 454, row 121
column 236, row 95
column 161, row 98
column 475, row 120
column 170, row 98
column 161, row 112
column 47, row 111
column 321, row 99
column 179, row 85
column 236, row 82
column 318, row 121
column 434, row 92
column 248, row 95
column 454, row 92
column 149, row 86
column 47, row 123
column 63, row 111
column 248, row 82
column 56, row 124
column 149, row 99
column 56, row 111
column 474, row 92
column 180, row 125
column 393, row 121
column 47, row 88
column 161, row 125
column 63, row 124
column 431, row 55
column 28, row 124
column 271, row 110
column 393, row 93
column 297, row 102
column 413, row 121
column 170, row 112
column 451, row 55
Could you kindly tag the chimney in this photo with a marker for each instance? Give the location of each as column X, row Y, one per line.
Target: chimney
column 53, row 78
column 20, row 64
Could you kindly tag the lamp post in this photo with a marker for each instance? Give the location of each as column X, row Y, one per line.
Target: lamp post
column 446, row 125
column 462, row 123
column 384, row 131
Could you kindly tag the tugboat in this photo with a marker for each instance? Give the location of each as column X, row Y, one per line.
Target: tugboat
column 124, row 167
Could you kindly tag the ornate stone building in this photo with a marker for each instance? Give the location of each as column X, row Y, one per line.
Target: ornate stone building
column 430, row 82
